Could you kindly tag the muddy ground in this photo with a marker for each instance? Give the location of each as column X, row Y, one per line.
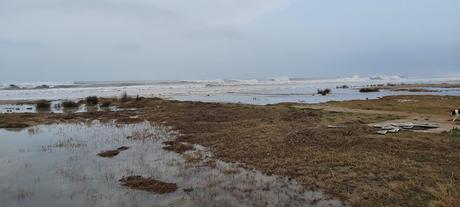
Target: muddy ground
column 351, row 163
column 148, row 184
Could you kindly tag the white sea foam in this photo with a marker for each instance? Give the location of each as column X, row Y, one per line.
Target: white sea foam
column 201, row 88
column 30, row 85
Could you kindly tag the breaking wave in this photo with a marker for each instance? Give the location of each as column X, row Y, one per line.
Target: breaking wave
column 202, row 83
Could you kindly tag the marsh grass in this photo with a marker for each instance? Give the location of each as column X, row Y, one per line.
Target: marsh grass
column 92, row 100
column 324, row 91
column 369, row 90
column 106, row 103
column 420, row 104
column 455, row 134
column 124, row 97
column 443, row 194
column 68, row 144
column 43, row 104
column 69, row 104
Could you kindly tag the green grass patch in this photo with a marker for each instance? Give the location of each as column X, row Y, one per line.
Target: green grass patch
column 455, row 134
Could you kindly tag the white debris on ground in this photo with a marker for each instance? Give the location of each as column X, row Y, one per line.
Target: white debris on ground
column 397, row 127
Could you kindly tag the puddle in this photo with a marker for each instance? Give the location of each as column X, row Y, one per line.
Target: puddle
column 18, row 108
column 85, row 108
column 55, row 107
column 58, row 165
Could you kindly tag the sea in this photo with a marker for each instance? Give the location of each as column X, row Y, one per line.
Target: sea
column 249, row 91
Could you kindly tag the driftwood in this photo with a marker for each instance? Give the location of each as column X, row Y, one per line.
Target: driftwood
column 396, row 127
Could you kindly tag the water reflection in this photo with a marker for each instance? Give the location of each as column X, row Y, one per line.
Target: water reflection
column 18, row 108
column 57, row 165
column 55, row 107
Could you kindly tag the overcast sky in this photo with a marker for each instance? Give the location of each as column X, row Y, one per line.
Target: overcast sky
column 52, row 40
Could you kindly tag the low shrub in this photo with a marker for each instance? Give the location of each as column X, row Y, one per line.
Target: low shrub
column 455, row 133
column 43, row 104
column 324, row 91
column 106, row 103
column 69, row 104
column 368, row 90
column 124, row 97
column 92, row 100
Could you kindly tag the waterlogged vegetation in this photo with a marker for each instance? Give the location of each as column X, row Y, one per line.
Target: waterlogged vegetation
column 58, row 165
column 70, row 104
column 92, row 100
column 455, row 133
column 369, row 90
column 324, row 91
column 330, row 147
column 43, row 104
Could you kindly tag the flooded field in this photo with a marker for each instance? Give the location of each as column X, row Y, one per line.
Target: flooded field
column 59, row 165
column 55, row 107
column 18, row 108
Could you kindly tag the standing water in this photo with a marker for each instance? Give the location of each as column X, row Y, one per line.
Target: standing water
column 58, row 165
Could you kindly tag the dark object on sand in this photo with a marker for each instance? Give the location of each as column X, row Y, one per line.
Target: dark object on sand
column 324, row 91
column 148, row 184
column 92, row 100
column 177, row 147
column 369, row 90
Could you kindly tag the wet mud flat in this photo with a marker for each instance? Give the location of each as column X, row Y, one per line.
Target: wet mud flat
column 293, row 141
column 60, row 165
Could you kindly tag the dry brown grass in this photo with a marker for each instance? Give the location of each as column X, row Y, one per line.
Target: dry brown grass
column 351, row 163
column 434, row 105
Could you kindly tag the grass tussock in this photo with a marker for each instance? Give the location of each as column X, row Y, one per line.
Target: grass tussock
column 92, row 100
column 43, row 104
column 369, row 90
column 106, row 103
column 69, row 104
column 455, row 133
column 124, row 97
column 324, row 91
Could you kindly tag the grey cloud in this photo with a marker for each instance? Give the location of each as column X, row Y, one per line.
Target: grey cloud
column 174, row 39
